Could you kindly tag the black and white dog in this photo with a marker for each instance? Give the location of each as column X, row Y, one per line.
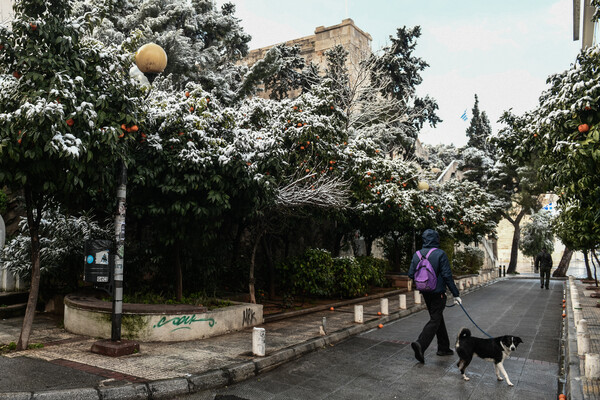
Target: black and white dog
column 496, row 350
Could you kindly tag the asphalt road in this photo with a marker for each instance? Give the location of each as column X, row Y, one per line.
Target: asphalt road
column 380, row 364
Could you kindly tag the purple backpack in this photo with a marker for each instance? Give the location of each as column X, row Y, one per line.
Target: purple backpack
column 425, row 277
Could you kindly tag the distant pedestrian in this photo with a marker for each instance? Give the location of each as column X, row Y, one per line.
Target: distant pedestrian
column 434, row 295
column 543, row 261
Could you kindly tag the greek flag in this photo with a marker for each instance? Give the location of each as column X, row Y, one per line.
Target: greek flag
column 464, row 116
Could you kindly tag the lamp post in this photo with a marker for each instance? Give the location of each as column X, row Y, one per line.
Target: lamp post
column 151, row 60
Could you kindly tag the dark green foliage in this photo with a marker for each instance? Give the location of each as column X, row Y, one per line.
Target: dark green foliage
column 316, row 273
column 479, row 129
column 3, row 201
column 467, row 261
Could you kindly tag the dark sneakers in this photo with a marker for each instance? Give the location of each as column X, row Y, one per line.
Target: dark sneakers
column 418, row 352
column 447, row 352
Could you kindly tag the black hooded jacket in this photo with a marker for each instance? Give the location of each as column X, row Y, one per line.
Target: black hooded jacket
column 439, row 261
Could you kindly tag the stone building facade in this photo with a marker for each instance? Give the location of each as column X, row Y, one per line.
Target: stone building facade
column 313, row 48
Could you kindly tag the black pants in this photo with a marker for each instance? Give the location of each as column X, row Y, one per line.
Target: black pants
column 545, row 272
column 436, row 302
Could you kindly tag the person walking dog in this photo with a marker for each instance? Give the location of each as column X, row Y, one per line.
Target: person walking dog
column 430, row 271
column 543, row 261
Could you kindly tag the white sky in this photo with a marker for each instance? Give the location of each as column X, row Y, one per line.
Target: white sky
column 503, row 51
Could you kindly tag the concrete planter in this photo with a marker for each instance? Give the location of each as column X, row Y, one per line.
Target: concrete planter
column 160, row 323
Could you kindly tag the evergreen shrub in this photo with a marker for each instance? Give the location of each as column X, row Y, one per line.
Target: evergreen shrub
column 467, row 261
column 317, row 273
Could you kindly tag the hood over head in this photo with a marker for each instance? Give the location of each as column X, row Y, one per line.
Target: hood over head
column 431, row 238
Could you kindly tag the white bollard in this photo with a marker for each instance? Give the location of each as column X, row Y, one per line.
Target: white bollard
column 358, row 314
column 384, row 306
column 583, row 338
column 258, row 341
column 417, row 297
column 402, row 299
column 592, row 366
column 577, row 316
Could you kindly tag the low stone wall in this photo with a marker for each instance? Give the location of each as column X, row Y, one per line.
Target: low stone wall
column 166, row 323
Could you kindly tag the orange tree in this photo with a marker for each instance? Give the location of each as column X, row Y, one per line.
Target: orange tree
column 64, row 97
column 566, row 136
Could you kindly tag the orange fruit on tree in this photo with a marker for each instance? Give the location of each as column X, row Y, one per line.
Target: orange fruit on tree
column 124, row 127
column 33, row 27
column 70, row 122
column 191, row 109
column 187, row 94
column 583, row 128
column 134, row 128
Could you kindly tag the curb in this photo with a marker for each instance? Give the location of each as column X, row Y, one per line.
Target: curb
column 573, row 384
column 214, row 379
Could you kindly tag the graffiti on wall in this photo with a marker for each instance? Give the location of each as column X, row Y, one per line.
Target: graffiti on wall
column 183, row 322
column 249, row 317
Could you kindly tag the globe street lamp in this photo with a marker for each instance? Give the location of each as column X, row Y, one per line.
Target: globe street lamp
column 151, row 60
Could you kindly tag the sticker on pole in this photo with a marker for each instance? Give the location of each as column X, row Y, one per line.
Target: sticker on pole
column 89, row 259
column 102, row 258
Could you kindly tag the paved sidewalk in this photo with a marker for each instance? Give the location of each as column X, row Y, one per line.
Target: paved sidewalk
column 379, row 364
column 66, row 369
column 591, row 313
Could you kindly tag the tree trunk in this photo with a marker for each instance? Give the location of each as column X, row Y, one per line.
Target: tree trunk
column 34, row 289
column 597, row 262
column 337, row 244
column 563, row 265
column 251, row 279
column 178, row 273
column 514, row 249
column 267, row 250
column 587, row 266
column 368, row 246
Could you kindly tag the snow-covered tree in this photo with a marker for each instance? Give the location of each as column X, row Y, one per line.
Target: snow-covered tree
column 202, row 42
column 479, row 130
column 64, row 98
column 566, row 135
column 62, row 239
column 513, row 179
column 537, row 234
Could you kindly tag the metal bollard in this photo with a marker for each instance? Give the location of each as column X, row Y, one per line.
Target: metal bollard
column 592, row 366
column 384, row 306
column 583, row 338
column 504, row 270
column 358, row 314
column 417, row 297
column 499, row 271
column 258, row 341
column 402, row 299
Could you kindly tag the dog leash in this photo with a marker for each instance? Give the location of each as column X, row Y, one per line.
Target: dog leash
column 467, row 314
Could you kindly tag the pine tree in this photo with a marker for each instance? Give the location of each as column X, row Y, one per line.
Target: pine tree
column 479, row 130
column 64, row 97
